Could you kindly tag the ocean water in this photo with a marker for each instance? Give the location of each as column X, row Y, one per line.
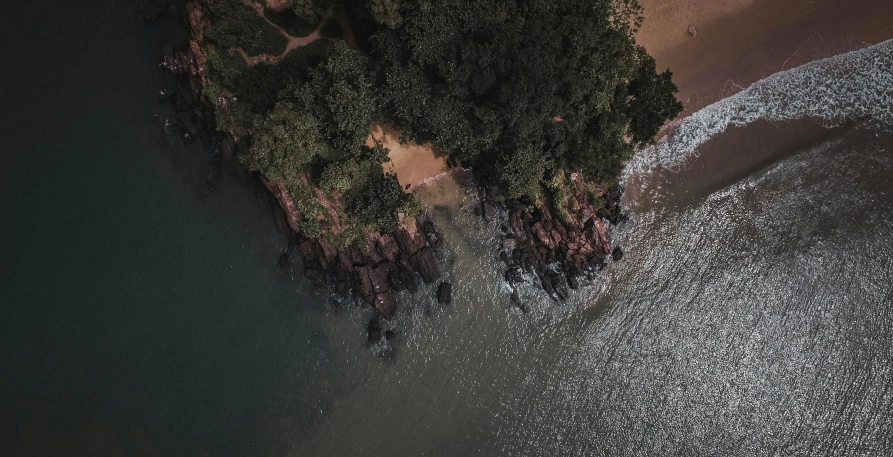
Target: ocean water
column 142, row 315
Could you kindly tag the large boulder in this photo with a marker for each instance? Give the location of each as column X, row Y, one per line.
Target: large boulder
column 425, row 265
column 386, row 304
column 388, row 247
column 409, row 239
column 402, row 279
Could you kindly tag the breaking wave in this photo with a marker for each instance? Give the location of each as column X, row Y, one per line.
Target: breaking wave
column 851, row 86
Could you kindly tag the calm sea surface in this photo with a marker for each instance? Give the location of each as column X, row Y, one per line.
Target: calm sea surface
column 142, row 315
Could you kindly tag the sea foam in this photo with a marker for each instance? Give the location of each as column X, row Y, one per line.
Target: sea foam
column 835, row 90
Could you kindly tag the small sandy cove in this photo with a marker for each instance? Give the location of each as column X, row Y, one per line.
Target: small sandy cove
column 413, row 163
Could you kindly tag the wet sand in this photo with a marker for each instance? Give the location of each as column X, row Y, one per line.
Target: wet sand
column 725, row 159
column 739, row 42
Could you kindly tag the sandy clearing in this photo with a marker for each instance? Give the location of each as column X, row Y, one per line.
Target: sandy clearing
column 413, row 163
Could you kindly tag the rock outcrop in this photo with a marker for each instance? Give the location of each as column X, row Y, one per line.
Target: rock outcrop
column 558, row 250
column 390, row 264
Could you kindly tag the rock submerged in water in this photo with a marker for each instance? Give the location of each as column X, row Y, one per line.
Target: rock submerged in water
column 445, row 293
column 617, row 254
column 516, row 301
column 373, row 331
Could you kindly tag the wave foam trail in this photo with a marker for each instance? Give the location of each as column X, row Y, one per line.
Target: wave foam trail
column 836, row 90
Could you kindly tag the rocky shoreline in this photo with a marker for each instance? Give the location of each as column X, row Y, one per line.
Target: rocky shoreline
column 560, row 251
column 387, row 264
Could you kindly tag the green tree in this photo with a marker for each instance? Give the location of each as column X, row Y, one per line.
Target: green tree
column 342, row 175
column 235, row 24
column 313, row 11
column 286, row 142
column 341, row 94
column 489, row 79
column 651, row 99
column 377, row 204
column 386, row 12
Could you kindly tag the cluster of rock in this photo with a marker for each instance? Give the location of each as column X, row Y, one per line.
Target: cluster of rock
column 388, row 264
column 559, row 251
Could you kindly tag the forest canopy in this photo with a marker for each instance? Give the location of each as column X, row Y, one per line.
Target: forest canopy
column 519, row 90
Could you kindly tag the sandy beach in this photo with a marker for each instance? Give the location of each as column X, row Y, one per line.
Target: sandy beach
column 738, row 42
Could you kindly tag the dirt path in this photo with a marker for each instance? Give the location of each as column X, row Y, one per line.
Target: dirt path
column 293, row 42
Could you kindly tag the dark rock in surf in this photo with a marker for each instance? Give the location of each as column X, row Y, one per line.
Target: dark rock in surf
column 548, row 287
column 559, row 283
column 313, row 274
column 279, row 218
column 617, row 254
column 487, row 211
column 150, row 12
column 373, row 331
column 425, row 265
column 431, row 235
column 573, row 282
column 516, row 301
column 504, row 256
column 514, row 275
column 284, row 262
column 445, row 293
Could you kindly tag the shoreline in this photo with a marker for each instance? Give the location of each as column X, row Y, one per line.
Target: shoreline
column 577, row 240
column 739, row 42
column 372, row 273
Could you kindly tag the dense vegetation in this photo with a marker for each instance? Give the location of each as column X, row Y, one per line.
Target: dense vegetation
column 523, row 91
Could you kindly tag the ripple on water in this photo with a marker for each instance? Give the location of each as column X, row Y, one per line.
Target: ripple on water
column 755, row 323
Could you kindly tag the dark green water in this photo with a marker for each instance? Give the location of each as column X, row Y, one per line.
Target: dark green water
column 142, row 315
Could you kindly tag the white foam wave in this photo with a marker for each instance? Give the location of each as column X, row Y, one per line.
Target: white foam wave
column 854, row 85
